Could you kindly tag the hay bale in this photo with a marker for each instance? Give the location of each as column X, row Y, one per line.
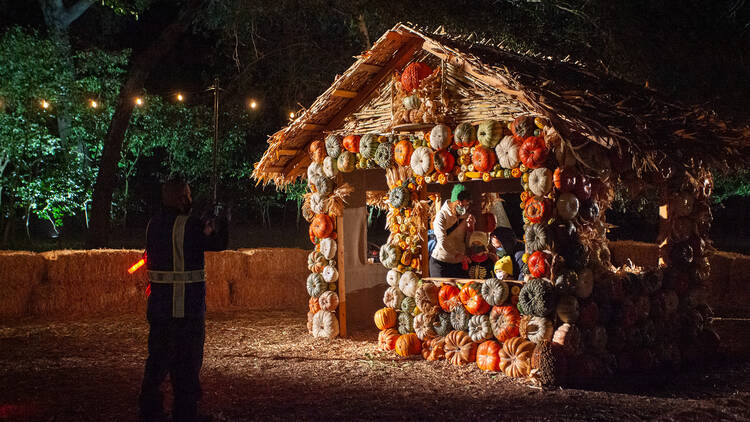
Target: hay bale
column 273, row 278
column 739, row 282
column 221, row 269
column 642, row 254
column 90, row 282
column 20, row 273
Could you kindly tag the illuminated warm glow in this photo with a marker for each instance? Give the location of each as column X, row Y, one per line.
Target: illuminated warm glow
column 253, row 104
column 291, row 115
column 44, row 104
column 94, row 104
column 138, row 101
column 180, row 97
column 135, row 266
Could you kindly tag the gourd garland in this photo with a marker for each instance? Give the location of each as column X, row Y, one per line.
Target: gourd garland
column 316, row 262
column 440, row 137
column 483, row 159
column 537, row 210
column 413, row 75
column 523, row 126
column 538, row 264
column 328, row 248
column 329, row 301
column 444, row 161
column 330, row 167
column 399, row 197
column 368, row 146
column 402, row 152
column 317, row 151
column 322, row 226
column 421, row 161
column 351, row 143
column 384, row 155
column 540, row 181
column 346, row 162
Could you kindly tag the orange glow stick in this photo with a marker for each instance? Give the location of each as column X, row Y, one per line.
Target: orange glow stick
column 137, row 265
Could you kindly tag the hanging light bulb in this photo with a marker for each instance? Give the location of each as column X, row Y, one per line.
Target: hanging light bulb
column 138, row 101
column 291, row 115
column 253, row 104
column 180, row 97
column 44, row 104
column 93, row 104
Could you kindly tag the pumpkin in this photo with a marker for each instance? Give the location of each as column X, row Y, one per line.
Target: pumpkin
column 421, row 161
column 442, row 323
column 536, row 298
column 402, row 152
column 540, row 181
column 489, row 133
column 313, row 304
column 351, row 143
column 330, row 167
column 334, row 145
column 330, row 274
column 565, row 282
column 423, row 325
column 322, row 226
column 548, row 364
column 575, row 255
column 392, row 297
column 389, row 255
column 411, row 102
column 537, row 210
column 569, row 338
column 392, row 277
column 317, row 151
column 480, row 328
column 325, row 325
column 505, row 321
column 426, row 297
column 314, row 174
column 448, row 297
column 405, row 323
column 433, row 349
column 440, row 137
column 459, row 349
column 589, row 210
column 483, row 159
column 533, row 152
column 408, row 345
column 310, row 316
column 413, row 75
column 538, row 264
column 523, row 126
column 495, row 291
column 565, row 179
column 385, row 318
column 329, row 301
column 471, row 297
column 536, row 236
column 324, row 185
column 316, row 285
column 466, row 135
column 582, row 189
column 328, row 248
column 515, row 357
column 368, row 146
column 487, row 356
column 384, row 155
column 316, row 262
column 507, row 152
column 387, row 339
column 567, row 309
column 567, row 206
column 536, row 329
column 399, row 197
column 444, row 161
column 460, row 318
column 347, row 162
column 408, row 305
column 596, row 339
column 584, row 283
column 408, row 283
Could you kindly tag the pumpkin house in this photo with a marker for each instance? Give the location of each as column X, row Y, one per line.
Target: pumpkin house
column 423, row 110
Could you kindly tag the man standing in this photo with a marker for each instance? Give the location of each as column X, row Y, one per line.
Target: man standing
column 175, row 243
column 450, row 225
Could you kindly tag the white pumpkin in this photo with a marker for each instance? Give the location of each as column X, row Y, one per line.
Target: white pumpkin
column 314, row 172
column 318, row 203
column 324, row 186
column 440, row 137
column 328, row 248
column 408, row 283
column 421, row 161
column 330, row 274
column 325, row 325
column 507, row 153
column 393, row 277
column 567, row 309
column 330, row 168
column 329, row 301
column 569, row 338
column 567, row 206
column 540, row 181
column 392, row 297
column 585, row 283
column 539, row 329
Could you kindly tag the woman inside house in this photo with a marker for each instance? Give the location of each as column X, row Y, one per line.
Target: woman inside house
column 451, row 225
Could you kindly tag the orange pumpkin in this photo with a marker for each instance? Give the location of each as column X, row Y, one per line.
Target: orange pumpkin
column 537, row 210
column 318, row 151
column 408, row 344
column 565, row 179
column 487, row 356
column 311, row 234
column 387, row 339
column 538, row 264
column 402, row 152
column 385, row 318
column 351, row 143
column 459, row 348
column 434, row 348
column 322, row 226
column 413, row 75
column 314, row 305
column 515, row 357
column 505, row 321
column 472, row 299
column 533, row 152
column 448, row 297
column 483, row 158
column 444, row 161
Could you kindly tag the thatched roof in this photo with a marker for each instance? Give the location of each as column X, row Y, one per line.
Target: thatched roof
column 582, row 105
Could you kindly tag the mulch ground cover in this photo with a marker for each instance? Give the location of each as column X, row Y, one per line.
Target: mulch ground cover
column 264, row 366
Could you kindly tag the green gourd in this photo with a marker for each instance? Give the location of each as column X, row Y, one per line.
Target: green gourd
column 489, row 133
column 384, row 155
column 537, row 298
column 334, row 146
column 368, row 146
column 316, row 285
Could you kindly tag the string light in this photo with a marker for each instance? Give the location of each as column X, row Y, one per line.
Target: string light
column 291, row 115
column 180, row 97
column 93, row 104
column 44, row 104
column 253, row 104
column 138, row 101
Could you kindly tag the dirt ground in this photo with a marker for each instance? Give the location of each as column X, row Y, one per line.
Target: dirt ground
column 264, row 366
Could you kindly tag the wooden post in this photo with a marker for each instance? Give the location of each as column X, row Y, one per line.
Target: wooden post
column 342, row 275
column 665, row 228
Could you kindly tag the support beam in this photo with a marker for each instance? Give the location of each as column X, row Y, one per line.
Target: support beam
column 312, row 127
column 369, row 68
column 287, row 152
column 344, row 93
column 341, row 240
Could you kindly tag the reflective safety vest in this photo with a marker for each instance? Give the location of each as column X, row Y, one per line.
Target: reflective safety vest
column 178, row 277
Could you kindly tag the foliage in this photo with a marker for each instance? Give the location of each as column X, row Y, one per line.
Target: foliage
column 729, row 185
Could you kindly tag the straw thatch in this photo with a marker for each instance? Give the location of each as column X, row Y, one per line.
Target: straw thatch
column 483, row 80
column 20, row 272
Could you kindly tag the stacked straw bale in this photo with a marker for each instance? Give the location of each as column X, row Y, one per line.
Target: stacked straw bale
column 641, row 254
column 272, row 278
column 89, row 283
column 221, row 269
column 20, row 273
